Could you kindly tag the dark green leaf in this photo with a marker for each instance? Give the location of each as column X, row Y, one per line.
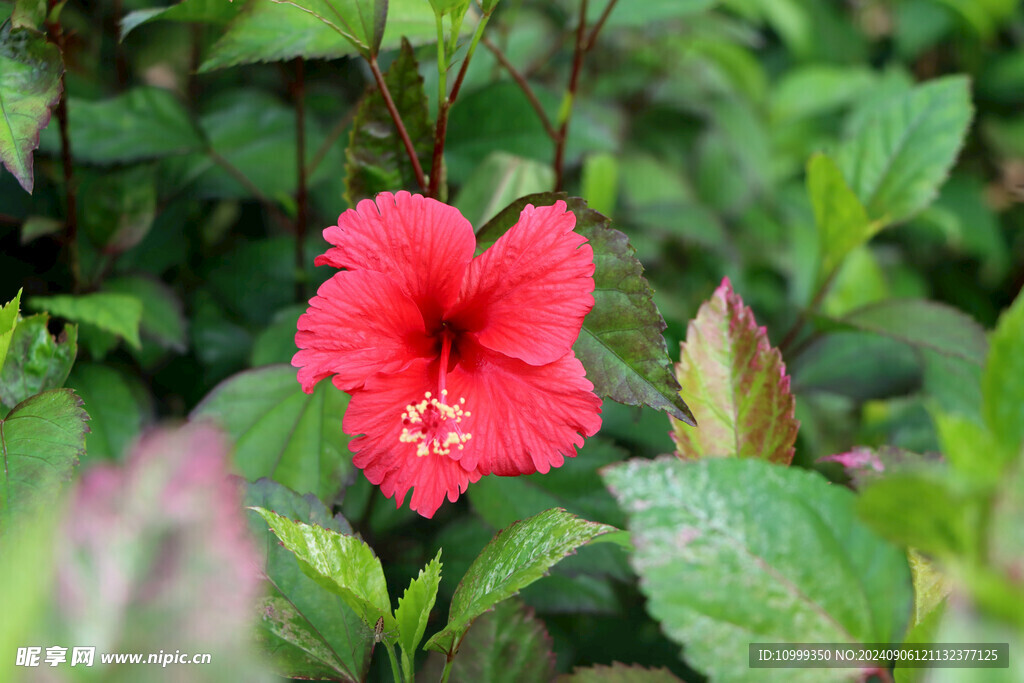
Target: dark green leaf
column 618, row 673
column 30, row 87
column 142, row 123
column 268, row 31
column 8, row 321
column 39, row 226
column 519, row 555
column 117, row 404
column 310, row 632
column 36, row 362
column 731, row 551
column 377, row 159
column 342, row 564
column 506, row 645
column 1002, row 385
column 414, row 609
column 620, row 344
column 118, row 314
column 203, row 11
column 900, row 154
column 276, row 343
column 163, row 318
column 41, row 441
column 737, row 384
column 856, row 364
column 117, row 208
column 649, row 11
column 280, row 432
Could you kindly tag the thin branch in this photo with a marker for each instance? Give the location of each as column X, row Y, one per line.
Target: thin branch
column 794, row 331
column 329, row 141
column 301, row 192
column 570, row 95
column 524, row 85
column 599, row 25
column 250, row 187
column 397, row 118
column 56, row 34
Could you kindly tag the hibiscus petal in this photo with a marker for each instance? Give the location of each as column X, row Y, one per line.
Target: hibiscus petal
column 527, row 295
column 376, row 413
column 420, row 243
column 524, row 418
column 360, row 323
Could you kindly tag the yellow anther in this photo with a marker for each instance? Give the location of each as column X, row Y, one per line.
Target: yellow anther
column 433, row 425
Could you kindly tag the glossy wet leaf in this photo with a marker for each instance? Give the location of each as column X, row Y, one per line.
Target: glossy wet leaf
column 737, row 384
column 519, row 555
column 414, row 608
column 281, row 432
column 621, row 344
column 720, row 571
column 30, row 87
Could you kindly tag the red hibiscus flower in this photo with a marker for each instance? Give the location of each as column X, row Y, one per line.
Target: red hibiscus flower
column 457, row 366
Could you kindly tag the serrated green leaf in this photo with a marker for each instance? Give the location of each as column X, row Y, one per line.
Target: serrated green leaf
column 731, row 551
column 923, row 324
column 118, row 405
column 280, row 432
column 620, row 345
column 163, row 317
column 414, row 609
column 8, row 321
column 118, row 314
column 342, row 564
column 841, row 219
column 36, row 362
column 310, row 631
column 30, row 87
column 499, row 180
column 519, row 555
column 1002, row 385
column 376, row 156
column 506, row 645
column 142, row 123
column 268, row 31
column 618, row 673
column 737, row 384
column 903, row 151
column 41, row 440
column 202, row 11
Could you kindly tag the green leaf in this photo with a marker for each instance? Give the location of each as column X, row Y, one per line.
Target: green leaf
column 41, row 441
column 901, row 153
column 269, row 31
column 737, row 384
column 342, row 564
column 142, row 123
column 931, row 586
column 36, row 362
column 500, row 179
column 39, row 226
column 276, row 343
column 841, row 219
column 859, row 365
column 618, row 673
column 925, row 509
column 600, row 182
column 8, row 321
column 414, row 609
column 28, row 13
column 310, row 632
column 923, row 324
column 818, row 89
column 506, row 645
column 280, row 432
column 201, row 11
column 119, row 314
column 620, row 345
column 118, row 207
column 649, row 11
column 376, row 156
column 30, row 87
column 731, row 551
column 519, row 555
column 1003, row 380
column 163, row 317
column 118, row 406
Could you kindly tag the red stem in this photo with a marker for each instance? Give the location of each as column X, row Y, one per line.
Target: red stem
column 441, row 131
column 397, row 118
column 577, row 65
column 56, row 35
column 524, row 85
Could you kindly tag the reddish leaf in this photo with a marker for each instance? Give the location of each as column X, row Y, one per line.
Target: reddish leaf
column 736, row 385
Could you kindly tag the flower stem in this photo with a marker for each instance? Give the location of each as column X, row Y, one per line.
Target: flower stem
column 56, row 34
column 447, row 669
column 395, row 669
column 399, row 125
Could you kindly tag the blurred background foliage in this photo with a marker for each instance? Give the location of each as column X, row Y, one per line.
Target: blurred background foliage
column 692, row 127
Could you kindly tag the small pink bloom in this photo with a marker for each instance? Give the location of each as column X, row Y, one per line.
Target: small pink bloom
column 457, row 366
